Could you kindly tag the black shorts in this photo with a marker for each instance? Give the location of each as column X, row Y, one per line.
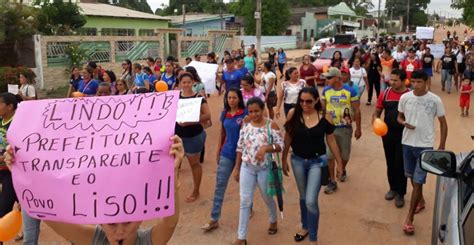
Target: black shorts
column 272, row 100
column 461, row 68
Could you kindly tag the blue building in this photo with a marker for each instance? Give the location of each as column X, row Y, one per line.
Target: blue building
column 200, row 24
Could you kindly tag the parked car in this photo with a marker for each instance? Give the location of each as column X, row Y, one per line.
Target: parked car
column 453, row 216
column 316, row 49
column 325, row 58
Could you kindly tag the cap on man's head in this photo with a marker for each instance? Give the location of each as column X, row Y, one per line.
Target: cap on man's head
column 332, row 72
column 229, row 61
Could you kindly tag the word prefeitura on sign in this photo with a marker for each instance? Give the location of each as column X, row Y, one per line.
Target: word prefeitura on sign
column 95, row 160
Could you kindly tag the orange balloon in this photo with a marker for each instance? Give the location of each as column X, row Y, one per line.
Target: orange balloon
column 10, row 225
column 407, row 82
column 77, row 94
column 325, row 68
column 380, row 128
column 161, row 86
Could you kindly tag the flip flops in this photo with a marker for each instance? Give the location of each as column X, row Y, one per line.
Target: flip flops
column 419, row 208
column 298, row 237
column 212, row 225
column 409, row 229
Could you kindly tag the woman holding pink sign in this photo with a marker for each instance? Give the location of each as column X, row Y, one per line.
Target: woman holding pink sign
column 121, row 233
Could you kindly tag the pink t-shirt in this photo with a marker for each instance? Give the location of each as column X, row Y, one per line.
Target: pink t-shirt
column 255, row 92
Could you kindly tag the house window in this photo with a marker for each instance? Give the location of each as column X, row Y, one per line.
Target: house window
column 87, row 32
column 312, row 33
column 117, row 32
column 288, row 32
column 146, row 32
column 305, row 35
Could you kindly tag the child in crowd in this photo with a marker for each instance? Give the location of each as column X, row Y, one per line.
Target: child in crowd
column 465, row 97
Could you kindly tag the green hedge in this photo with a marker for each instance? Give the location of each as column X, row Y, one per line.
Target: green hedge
column 10, row 75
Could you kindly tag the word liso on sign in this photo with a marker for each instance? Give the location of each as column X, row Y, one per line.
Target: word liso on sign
column 95, row 160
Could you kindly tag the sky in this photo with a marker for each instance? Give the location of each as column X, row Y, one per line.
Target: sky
column 442, row 7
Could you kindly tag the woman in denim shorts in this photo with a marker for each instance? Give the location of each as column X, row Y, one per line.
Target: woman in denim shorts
column 193, row 134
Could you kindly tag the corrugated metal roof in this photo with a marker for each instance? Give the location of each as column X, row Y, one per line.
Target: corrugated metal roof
column 99, row 9
column 178, row 19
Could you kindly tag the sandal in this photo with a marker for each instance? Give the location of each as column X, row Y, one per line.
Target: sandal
column 272, row 230
column 298, row 237
column 419, row 208
column 212, row 225
column 409, row 229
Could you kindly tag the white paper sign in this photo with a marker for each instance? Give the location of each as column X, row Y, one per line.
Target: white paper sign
column 207, row 73
column 424, row 32
column 437, row 50
column 13, row 88
column 189, row 110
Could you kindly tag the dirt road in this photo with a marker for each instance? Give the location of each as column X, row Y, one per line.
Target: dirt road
column 356, row 214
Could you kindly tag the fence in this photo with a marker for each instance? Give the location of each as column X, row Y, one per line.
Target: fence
column 53, row 61
column 284, row 42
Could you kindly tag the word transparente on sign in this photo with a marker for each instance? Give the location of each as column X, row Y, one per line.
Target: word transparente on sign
column 95, row 160
column 189, row 110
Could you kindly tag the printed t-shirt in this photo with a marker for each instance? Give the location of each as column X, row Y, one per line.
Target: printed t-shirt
column 232, row 79
column 410, row 66
column 428, row 61
column 357, row 76
column 339, row 104
column 232, row 125
column 291, row 90
column 88, row 89
column 3, row 140
column 420, row 112
column 170, row 80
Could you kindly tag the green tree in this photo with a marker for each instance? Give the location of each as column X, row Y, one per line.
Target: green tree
column 138, row 5
column 468, row 10
column 17, row 22
column 417, row 10
column 275, row 15
column 60, row 18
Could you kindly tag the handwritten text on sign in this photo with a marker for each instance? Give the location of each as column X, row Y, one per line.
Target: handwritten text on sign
column 189, row 110
column 95, row 160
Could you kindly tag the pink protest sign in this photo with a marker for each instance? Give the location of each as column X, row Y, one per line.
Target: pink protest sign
column 95, row 160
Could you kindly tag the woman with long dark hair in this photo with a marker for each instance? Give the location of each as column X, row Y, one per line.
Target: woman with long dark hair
column 193, row 134
column 74, row 80
column 232, row 118
column 337, row 60
column 374, row 71
column 288, row 94
column 110, row 78
column 305, row 133
column 127, row 73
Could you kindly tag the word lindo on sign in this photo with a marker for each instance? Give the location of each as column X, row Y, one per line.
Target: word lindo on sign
column 95, row 160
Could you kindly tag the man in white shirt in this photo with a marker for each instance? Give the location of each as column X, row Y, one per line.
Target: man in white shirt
column 417, row 111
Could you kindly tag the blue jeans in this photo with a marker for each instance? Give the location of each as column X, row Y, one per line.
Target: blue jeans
column 250, row 177
column 31, row 229
column 224, row 171
column 308, row 179
column 446, row 80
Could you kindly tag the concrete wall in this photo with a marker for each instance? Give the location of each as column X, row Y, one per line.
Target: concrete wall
column 100, row 22
column 285, row 42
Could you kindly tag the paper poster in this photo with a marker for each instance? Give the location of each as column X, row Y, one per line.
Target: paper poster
column 437, row 50
column 424, row 32
column 207, row 73
column 95, row 160
column 189, row 110
column 13, row 88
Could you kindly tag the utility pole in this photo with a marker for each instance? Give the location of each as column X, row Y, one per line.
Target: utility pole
column 378, row 19
column 258, row 29
column 184, row 19
column 408, row 17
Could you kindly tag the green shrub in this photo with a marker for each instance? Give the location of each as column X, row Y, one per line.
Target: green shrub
column 10, row 75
